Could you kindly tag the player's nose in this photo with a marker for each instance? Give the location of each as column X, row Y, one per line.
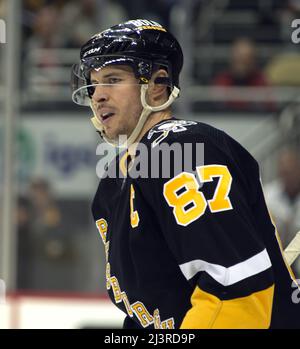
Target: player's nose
column 100, row 94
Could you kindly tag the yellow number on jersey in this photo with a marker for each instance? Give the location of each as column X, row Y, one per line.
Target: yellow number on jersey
column 220, row 201
column 190, row 197
column 191, row 204
column 134, row 216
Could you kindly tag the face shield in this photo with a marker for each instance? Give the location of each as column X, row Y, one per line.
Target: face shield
column 81, row 87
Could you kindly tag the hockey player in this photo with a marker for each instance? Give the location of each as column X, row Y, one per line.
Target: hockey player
column 194, row 249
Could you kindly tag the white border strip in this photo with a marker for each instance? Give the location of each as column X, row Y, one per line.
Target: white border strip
column 228, row 276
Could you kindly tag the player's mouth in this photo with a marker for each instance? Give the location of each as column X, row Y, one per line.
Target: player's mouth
column 106, row 116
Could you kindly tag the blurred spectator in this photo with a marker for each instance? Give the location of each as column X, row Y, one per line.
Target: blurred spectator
column 243, row 71
column 41, row 73
column 56, row 243
column 156, row 10
column 283, row 197
column 83, row 18
column 45, row 35
column 50, row 250
column 46, row 214
column 284, row 69
column 46, row 29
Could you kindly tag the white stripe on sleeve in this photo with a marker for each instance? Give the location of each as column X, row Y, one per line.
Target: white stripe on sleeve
column 228, row 276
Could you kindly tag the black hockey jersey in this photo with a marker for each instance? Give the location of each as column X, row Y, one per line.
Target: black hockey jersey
column 192, row 246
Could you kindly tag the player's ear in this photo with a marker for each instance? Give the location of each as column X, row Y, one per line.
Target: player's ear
column 157, row 92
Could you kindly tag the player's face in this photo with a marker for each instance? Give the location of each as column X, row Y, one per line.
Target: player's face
column 117, row 105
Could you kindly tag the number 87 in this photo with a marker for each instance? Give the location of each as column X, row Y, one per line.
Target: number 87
column 191, row 204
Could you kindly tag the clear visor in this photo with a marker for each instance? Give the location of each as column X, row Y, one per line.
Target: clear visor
column 83, row 95
column 81, row 87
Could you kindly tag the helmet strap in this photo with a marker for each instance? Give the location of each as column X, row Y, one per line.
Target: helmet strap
column 174, row 94
column 147, row 110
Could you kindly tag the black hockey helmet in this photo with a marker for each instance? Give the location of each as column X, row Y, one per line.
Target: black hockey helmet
column 142, row 44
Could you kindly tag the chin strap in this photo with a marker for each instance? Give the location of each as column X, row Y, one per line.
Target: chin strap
column 147, row 110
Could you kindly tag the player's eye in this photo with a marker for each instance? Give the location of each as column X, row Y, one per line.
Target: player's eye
column 113, row 80
column 91, row 90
